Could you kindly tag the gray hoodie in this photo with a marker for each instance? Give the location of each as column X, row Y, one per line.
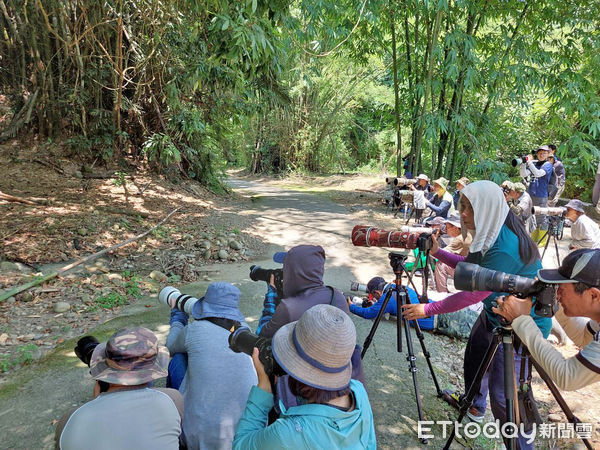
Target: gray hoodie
column 303, row 287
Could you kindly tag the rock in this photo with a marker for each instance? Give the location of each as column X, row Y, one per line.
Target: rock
column 206, row 278
column 555, row 418
column 61, row 307
column 78, row 174
column 206, row 245
column 26, row 297
column 37, row 337
column 7, row 266
column 223, row 255
column 82, row 232
column 95, row 212
column 115, row 276
column 235, row 244
column 207, row 254
column 116, row 227
column 3, row 338
column 11, row 300
column 158, row 276
column 23, row 268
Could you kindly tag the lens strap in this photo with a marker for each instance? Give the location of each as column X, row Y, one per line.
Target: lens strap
column 313, row 362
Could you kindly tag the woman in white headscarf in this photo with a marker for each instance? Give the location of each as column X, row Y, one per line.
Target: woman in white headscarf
column 500, row 243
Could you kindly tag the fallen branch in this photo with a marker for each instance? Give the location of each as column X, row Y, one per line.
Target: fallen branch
column 52, row 275
column 12, row 198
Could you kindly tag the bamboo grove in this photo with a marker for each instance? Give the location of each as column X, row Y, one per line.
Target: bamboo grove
column 455, row 87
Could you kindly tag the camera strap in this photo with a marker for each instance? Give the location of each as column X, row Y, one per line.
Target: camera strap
column 332, row 295
column 227, row 324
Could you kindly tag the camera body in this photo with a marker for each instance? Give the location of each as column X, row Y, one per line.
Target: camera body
column 243, row 340
column 257, row 273
column 471, row 277
column 173, row 298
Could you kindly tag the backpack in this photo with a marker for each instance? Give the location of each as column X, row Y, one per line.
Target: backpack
column 552, row 185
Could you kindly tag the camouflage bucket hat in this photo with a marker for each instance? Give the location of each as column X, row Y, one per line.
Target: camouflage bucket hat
column 131, row 356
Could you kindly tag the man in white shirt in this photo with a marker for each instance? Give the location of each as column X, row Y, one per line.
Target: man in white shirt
column 584, row 231
column 578, row 280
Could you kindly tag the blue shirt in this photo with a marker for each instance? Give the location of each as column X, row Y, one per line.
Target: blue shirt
column 504, row 256
column 539, row 186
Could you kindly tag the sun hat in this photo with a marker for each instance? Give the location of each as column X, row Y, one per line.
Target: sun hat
column 279, row 257
column 221, row 300
column 578, row 266
column 316, row 349
column 506, row 184
column 518, row 187
column 441, row 182
column 130, row 357
column 544, row 148
column 575, row 204
column 464, row 181
column 375, row 284
column 422, row 176
column 454, row 219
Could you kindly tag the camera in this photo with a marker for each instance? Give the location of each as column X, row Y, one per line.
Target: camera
column 406, row 181
column 357, row 287
column 556, row 211
column 257, row 273
column 173, row 298
column 84, row 349
column 471, row 277
column 391, row 181
column 519, row 160
column 243, row 340
column 366, row 236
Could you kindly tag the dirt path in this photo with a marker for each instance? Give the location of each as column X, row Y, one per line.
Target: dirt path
column 39, row 394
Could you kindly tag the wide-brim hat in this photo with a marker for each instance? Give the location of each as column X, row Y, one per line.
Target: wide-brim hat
column 316, row 349
column 442, row 182
column 422, row 176
column 578, row 266
column 454, row 219
column 130, row 357
column 575, row 204
column 221, row 300
column 464, row 181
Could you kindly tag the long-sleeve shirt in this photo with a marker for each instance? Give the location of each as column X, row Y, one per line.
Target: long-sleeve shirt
column 391, row 308
column 441, row 206
column 541, row 172
column 269, row 305
column 585, row 233
column 568, row 373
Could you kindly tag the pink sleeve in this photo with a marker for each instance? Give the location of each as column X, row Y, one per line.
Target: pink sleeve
column 451, row 259
column 455, row 302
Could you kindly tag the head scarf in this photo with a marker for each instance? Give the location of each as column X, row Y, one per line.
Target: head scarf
column 490, row 210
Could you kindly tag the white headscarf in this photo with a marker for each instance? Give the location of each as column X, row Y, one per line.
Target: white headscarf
column 490, row 210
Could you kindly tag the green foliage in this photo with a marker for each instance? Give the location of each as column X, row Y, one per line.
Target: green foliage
column 110, row 301
column 23, row 356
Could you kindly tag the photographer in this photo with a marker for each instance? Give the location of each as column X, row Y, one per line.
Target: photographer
column 521, row 204
column 303, row 288
column 585, row 233
column 333, row 411
column 216, row 381
column 460, row 184
column 377, row 287
column 128, row 414
column 459, row 246
column 441, row 203
column 500, row 243
column 578, row 282
column 596, row 191
column 538, row 172
column 559, row 174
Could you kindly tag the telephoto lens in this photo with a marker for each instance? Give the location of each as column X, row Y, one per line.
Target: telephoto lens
column 173, row 298
column 549, row 211
column 85, row 347
column 243, row 340
column 357, row 287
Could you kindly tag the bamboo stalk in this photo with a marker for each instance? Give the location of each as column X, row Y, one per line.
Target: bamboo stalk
column 62, row 270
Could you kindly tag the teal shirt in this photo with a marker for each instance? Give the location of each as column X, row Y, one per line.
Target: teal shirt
column 504, row 256
column 308, row 426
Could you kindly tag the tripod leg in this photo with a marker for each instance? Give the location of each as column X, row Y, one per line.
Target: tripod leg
column 427, row 356
column 546, row 244
column 556, row 249
column 369, row 338
column 474, row 388
column 413, row 367
column 510, row 386
column 558, row 397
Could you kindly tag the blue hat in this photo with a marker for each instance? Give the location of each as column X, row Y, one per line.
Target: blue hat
column 279, row 257
column 375, row 284
column 221, row 300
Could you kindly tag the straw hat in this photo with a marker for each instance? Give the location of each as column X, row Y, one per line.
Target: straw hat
column 316, row 350
column 441, row 182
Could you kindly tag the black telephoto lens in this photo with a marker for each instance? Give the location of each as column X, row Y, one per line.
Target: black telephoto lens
column 85, row 347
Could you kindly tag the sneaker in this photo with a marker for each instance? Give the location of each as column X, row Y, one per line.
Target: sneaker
column 474, row 415
column 451, row 397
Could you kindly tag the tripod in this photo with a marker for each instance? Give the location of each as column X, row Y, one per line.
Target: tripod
column 556, row 231
column 397, row 263
column 504, row 335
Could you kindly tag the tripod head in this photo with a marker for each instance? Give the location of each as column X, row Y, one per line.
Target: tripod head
column 556, row 226
column 397, row 261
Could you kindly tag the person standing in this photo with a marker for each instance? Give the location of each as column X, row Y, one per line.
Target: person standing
column 460, row 184
column 559, row 173
column 538, row 172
